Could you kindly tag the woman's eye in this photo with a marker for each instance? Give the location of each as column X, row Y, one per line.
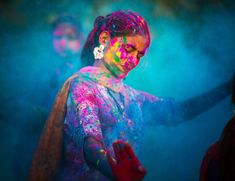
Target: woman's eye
column 129, row 48
column 140, row 55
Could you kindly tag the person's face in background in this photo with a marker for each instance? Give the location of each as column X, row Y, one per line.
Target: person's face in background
column 66, row 40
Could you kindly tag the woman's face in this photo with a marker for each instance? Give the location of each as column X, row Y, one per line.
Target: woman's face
column 124, row 53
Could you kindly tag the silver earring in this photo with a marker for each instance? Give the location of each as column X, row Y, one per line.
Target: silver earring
column 99, row 52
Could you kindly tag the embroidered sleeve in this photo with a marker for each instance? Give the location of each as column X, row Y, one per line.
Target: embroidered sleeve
column 86, row 110
column 159, row 111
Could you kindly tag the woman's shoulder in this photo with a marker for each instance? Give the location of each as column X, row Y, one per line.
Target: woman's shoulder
column 79, row 83
column 139, row 95
column 130, row 90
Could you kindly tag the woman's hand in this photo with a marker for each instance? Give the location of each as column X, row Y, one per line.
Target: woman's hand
column 126, row 166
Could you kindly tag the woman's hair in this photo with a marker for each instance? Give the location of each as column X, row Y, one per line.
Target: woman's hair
column 119, row 23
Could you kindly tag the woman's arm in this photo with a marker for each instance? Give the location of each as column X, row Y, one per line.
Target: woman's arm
column 166, row 111
column 199, row 104
column 96, row 156
column 87, row 126
column 89, row 135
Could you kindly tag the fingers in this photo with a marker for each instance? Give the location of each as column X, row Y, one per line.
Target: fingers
column 134, row 160
column 116, row 150
column 129, row 151
column 111, row 160
column 142, row 169
column 119, row 151
column 123, row 151
column 127, row 164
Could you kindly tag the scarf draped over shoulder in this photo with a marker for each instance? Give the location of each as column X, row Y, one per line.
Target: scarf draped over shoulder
column 47, row 159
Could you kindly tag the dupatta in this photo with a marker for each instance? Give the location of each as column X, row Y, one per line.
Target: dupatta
column 48, row 157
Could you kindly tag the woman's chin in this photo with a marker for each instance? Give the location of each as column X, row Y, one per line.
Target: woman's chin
column 122, row 75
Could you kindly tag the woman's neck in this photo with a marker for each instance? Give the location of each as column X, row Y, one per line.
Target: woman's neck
column 102, row 76
column 100, row 64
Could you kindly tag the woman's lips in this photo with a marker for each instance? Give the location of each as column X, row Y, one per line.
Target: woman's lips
column 124, row 69
column 128, row 67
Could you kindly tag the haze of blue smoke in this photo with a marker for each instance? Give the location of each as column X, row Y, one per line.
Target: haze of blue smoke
column 185, row 60
column 188, row 56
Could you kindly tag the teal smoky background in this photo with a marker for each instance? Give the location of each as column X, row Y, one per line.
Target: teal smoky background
column 192, row 51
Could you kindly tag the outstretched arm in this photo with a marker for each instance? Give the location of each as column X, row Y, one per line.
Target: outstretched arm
column 165, row 111
column 199, row 104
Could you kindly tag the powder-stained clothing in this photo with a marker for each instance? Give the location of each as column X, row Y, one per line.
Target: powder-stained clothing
column 102, row 106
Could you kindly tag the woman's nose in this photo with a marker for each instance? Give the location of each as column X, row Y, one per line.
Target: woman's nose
column 133, row 62
column 136, row 59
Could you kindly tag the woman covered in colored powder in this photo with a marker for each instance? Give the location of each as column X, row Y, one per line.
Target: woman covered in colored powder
column 94, row 130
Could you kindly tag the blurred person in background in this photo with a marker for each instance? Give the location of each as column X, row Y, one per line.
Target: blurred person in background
column 67, row 42
column 63, row 61
column 66, row 37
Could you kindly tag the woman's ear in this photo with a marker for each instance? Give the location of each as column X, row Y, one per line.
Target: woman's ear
column 104, row 38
